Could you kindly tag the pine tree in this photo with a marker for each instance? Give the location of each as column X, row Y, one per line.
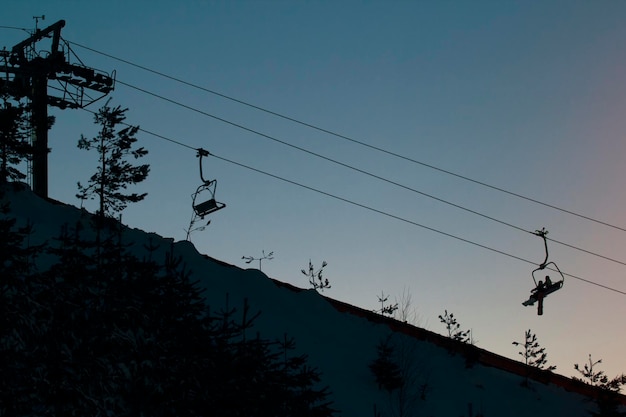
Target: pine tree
column 19, row 314
column 397, row 371
column 606, row 398
column 15, row 147
column 454, row 328
column 388, row 309
column 592, row 376
column 128, row 336
column 316, row 280
column 384, row 367
column 533, row 354
column 114, row 173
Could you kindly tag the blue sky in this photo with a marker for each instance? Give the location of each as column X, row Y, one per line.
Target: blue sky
column 525, row 96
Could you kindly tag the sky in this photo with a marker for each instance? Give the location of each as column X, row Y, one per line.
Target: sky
column 527, row 97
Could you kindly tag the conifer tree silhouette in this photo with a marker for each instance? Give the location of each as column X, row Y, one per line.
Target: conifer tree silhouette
column 533, row 354
column 384, row 367
column 114, row 173
column 606, row 398
column 130, row 336
column 15, row 147
column 316, row 280
column 454, row 328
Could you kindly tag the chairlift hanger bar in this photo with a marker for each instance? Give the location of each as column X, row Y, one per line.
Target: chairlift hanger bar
column 542, row 234
column 202, row 152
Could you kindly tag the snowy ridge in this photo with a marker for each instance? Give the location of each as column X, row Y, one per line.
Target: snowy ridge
column 472, row 353
column 449, row 378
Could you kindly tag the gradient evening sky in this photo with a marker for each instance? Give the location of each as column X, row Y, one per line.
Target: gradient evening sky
column 528, row 96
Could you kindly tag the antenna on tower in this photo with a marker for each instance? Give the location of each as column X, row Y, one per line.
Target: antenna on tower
column 42, row 17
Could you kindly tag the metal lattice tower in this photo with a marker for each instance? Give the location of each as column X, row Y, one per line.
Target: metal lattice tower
column 25, row 72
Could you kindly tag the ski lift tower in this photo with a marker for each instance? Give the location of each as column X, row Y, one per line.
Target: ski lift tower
column 25, row 72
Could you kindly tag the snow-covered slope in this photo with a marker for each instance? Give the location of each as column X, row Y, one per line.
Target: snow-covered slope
column 342, row 340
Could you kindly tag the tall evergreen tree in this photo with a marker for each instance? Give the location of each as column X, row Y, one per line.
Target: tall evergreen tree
column 15, row 147
column 114, row 173
column 19, row 314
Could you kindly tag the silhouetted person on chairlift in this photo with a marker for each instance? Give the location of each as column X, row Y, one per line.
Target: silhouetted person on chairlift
column 543, row 288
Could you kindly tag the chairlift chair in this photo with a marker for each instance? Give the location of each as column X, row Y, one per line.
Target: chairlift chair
column 543, row 288
column 210, row 205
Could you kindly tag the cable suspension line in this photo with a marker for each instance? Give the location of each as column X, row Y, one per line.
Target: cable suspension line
column 15, row 28
column 326, row 158
column 393, row 216
column 347, row 138
column 361, row 171
column 366, row 207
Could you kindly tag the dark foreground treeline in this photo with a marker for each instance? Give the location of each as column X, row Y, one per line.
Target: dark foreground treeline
column 102, row 332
